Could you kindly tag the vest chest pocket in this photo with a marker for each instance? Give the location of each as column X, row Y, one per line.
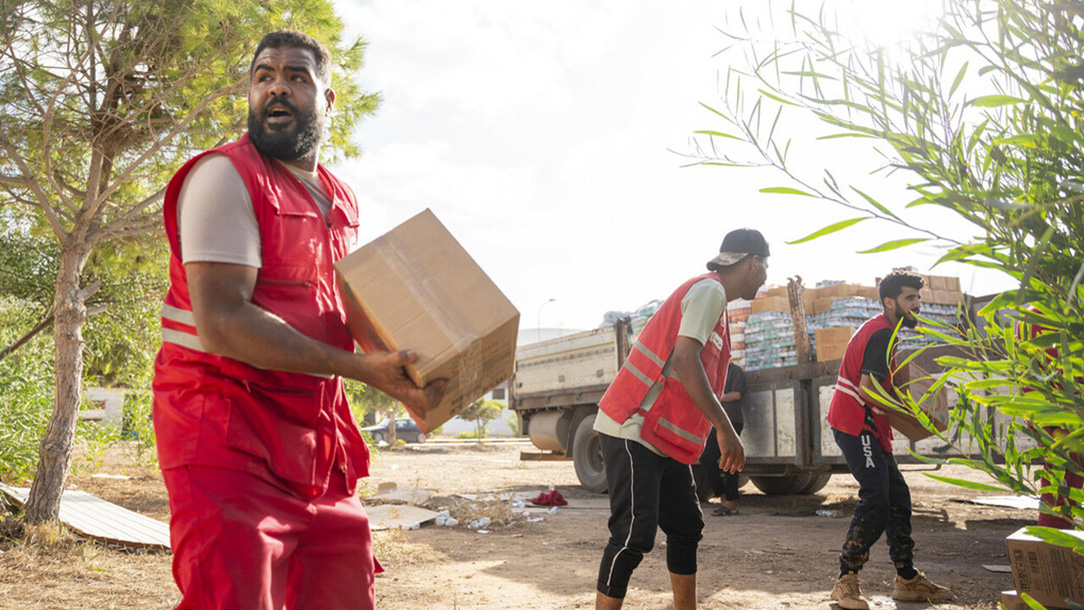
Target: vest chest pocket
column 290, row 292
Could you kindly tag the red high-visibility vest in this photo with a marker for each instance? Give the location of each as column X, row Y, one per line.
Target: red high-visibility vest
column 847, row 412
column 215, row 411
column 674, row 424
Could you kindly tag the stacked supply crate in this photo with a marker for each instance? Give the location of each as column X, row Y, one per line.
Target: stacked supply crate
column 769, row 332
column 834, row 310
column 762, row 330
column 738, row 312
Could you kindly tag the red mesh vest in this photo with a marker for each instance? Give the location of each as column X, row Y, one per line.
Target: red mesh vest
column 847, row 412
column 212, row 410
column 674, row 424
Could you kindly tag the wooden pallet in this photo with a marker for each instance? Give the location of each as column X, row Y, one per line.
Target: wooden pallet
column 95, row 518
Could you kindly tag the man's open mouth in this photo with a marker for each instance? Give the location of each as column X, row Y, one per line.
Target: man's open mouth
column 278, row 112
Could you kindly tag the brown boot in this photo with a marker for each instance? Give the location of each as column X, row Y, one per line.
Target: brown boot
column 919, row 589
column 848, row 594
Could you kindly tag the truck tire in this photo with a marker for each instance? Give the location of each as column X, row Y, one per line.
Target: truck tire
column 703, row 489
column 587, row 456
column 819, row 481
column 790, row 485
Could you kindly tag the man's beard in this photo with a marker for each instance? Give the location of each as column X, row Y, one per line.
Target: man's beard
column 302, row 140
column 909, row 321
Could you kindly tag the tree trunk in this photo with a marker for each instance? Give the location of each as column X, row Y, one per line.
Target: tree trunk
column 55, row 454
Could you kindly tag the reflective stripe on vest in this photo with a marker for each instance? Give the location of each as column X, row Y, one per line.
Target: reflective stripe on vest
column 191, row 340
column 172, row 335
column 643, row 349
column 647, row 359
column 847, row 387
column 671, row 426
column 650, row 355
column 685, row 434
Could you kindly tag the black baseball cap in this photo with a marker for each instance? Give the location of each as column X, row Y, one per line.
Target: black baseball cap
column 737, row 245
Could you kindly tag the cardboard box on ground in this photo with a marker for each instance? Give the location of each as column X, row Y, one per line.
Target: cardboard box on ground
column 416, row 287
column 1011, row 601
column 1050, row 574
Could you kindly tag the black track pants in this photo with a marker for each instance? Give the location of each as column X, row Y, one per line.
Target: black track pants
column 884, row 504
column 647, row 491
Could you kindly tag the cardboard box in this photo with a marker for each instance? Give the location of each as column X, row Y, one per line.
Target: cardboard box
column 832, row 342
column 869, row 292
column 946, row 297
column 831, row 351
column 835, row 334
column 777, row 291
column 819, row 305
column 1011, row 601
column 944, row 283
column 415, row 287
column 771, row 304
column 1050, row 574
column 839, row 291
column 936, row 407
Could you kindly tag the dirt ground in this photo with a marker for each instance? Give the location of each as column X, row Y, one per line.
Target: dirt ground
column 776, row 554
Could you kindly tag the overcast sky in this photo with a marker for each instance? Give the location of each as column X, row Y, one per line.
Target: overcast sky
column 546, row 137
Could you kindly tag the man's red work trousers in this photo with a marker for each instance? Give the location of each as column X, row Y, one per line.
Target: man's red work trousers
column 241, row 543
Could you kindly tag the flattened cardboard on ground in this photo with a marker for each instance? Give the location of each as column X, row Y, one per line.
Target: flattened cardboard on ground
column 402, row 495
column 503, row 496
column 397, row 516
column 1050, row 574
column 415, row 287
column 1019, row 502
column 95, row 518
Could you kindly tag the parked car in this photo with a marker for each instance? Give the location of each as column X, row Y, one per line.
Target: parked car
column 405, row 429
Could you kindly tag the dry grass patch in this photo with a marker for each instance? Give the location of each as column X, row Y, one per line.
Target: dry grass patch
column 49, row 568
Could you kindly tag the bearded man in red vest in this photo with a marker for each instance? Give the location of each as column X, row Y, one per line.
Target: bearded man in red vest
column 258, row 448
column 864, row 436
column 654, row 420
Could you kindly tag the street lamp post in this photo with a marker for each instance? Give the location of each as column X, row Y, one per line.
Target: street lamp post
column 538, row 321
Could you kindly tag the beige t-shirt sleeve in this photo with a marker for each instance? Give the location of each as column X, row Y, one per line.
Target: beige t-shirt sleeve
column 215, row 217
column 701, row 309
